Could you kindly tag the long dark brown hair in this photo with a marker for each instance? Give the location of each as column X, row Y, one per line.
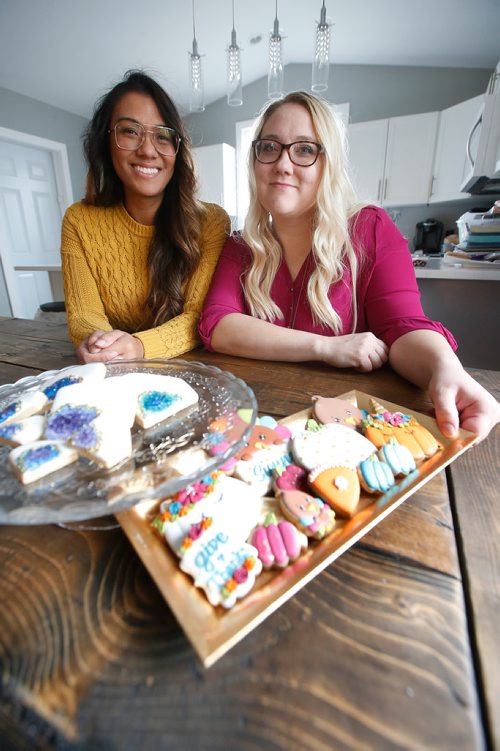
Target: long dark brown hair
column 174, row 250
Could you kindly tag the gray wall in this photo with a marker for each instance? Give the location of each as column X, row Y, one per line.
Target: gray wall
column 373, row 91
column 28, row 115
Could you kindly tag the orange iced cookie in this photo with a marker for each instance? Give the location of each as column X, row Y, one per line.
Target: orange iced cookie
column 381, row 425
column 339, row 486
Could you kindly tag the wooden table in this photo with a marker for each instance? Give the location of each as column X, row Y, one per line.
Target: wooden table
column 393, row 646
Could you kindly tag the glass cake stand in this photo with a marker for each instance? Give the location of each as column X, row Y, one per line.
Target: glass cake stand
column 165, row 458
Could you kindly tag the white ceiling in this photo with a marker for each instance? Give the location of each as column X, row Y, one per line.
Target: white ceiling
column 68, row 52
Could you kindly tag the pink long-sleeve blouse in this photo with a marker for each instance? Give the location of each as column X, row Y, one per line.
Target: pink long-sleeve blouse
column 388, row 299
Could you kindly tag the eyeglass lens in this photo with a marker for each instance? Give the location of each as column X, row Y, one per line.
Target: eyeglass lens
column 302, row 153
column 130, row 135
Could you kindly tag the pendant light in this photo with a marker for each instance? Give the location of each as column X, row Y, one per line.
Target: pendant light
column 321, row 63
column 234, row 82
column 197, row 95
column 275, row 75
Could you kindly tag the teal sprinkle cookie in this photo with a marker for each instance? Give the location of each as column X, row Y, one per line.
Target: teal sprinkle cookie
column 156, row 401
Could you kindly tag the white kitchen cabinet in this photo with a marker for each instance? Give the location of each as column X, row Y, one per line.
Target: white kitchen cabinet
column 367, row 147
column 391, row 160
column 216, row 170
column 450, row 160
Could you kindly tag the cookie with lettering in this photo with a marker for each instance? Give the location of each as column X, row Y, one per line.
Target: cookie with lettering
column 25, row 405
column 224, row 568
column 25, row 431
column 328, row 444
column 216, row 495
column 278, row 543
column 339, row 486
column 311, row 515
column 40, row 458
column 337, row 411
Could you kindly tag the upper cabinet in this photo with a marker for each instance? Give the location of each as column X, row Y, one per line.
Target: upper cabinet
column 391, row 160
column 455, row 124
column 216, row 170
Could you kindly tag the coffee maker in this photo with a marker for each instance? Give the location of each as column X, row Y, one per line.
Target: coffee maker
column 429, row 236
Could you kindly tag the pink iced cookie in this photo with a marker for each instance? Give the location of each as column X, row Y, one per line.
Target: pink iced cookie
column 291, row 477
column 278, row 543
column 334, row 410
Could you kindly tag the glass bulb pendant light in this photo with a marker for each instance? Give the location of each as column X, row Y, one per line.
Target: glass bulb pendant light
column 321, row 63
column 234, row 81
column 275, row 75
column 197, row 94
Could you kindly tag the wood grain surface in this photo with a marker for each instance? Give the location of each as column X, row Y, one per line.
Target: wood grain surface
column 392, row 647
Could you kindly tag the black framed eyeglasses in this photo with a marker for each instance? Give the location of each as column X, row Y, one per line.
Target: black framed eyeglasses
column 301, row 153
column 130, row 135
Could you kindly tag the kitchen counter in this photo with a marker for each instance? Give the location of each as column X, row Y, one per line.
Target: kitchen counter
column 436, row 268
column 465, row 300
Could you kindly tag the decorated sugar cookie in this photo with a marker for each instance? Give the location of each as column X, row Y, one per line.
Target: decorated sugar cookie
column 338, row 485
column 398, row 457
column 311, row 515
column 223, row 568
column 329, row 444
column 291, row 477
column 375, row 475
column 91, row 372
column 104, row 440
column 25, row 431
column 381, row 425
column 25, row 405
column 278, row 543
column 338, row 411
column 159, row 396
column 216, row 495
column 40, row 458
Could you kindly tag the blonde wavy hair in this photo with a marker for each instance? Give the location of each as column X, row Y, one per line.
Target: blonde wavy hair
column 336, row 204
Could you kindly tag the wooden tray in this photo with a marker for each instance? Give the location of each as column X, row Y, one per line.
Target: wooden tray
column 213, row 631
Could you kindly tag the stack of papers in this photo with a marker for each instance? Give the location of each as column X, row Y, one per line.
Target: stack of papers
column 482, row 242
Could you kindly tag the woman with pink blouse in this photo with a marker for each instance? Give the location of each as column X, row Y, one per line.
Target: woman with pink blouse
column 317, row 275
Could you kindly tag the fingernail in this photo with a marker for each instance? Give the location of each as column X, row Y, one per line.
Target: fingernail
column 449, row 430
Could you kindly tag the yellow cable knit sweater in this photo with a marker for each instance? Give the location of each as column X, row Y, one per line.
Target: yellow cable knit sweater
column 104, row 261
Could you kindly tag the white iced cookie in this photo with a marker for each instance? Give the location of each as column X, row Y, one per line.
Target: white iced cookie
column 223, row 498
column 330, row 444
column 158, row 396
column 25, row 405
column 35, row 460
column 25, row 431
column 222, row 567
column 91, row 372
column 105, row 440
column 258, row 470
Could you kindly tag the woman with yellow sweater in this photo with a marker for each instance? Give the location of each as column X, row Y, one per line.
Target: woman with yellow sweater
column 138, row 253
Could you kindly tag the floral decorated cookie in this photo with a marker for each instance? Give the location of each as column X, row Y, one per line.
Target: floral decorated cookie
column 375, row 475
column 224, row 568
column 216, row 495
column 30, row 403
column 334, row 410
column 25, row 431
column 40, row 458
column 311, row 515
column 398, row 457
column 330, row 444
column 278, row 543
column 338, row 485
column 381, row 425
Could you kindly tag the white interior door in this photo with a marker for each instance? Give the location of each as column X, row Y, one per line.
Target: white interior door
column 30, row 225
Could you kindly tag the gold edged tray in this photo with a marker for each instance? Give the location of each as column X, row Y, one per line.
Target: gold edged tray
column 213, row 631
